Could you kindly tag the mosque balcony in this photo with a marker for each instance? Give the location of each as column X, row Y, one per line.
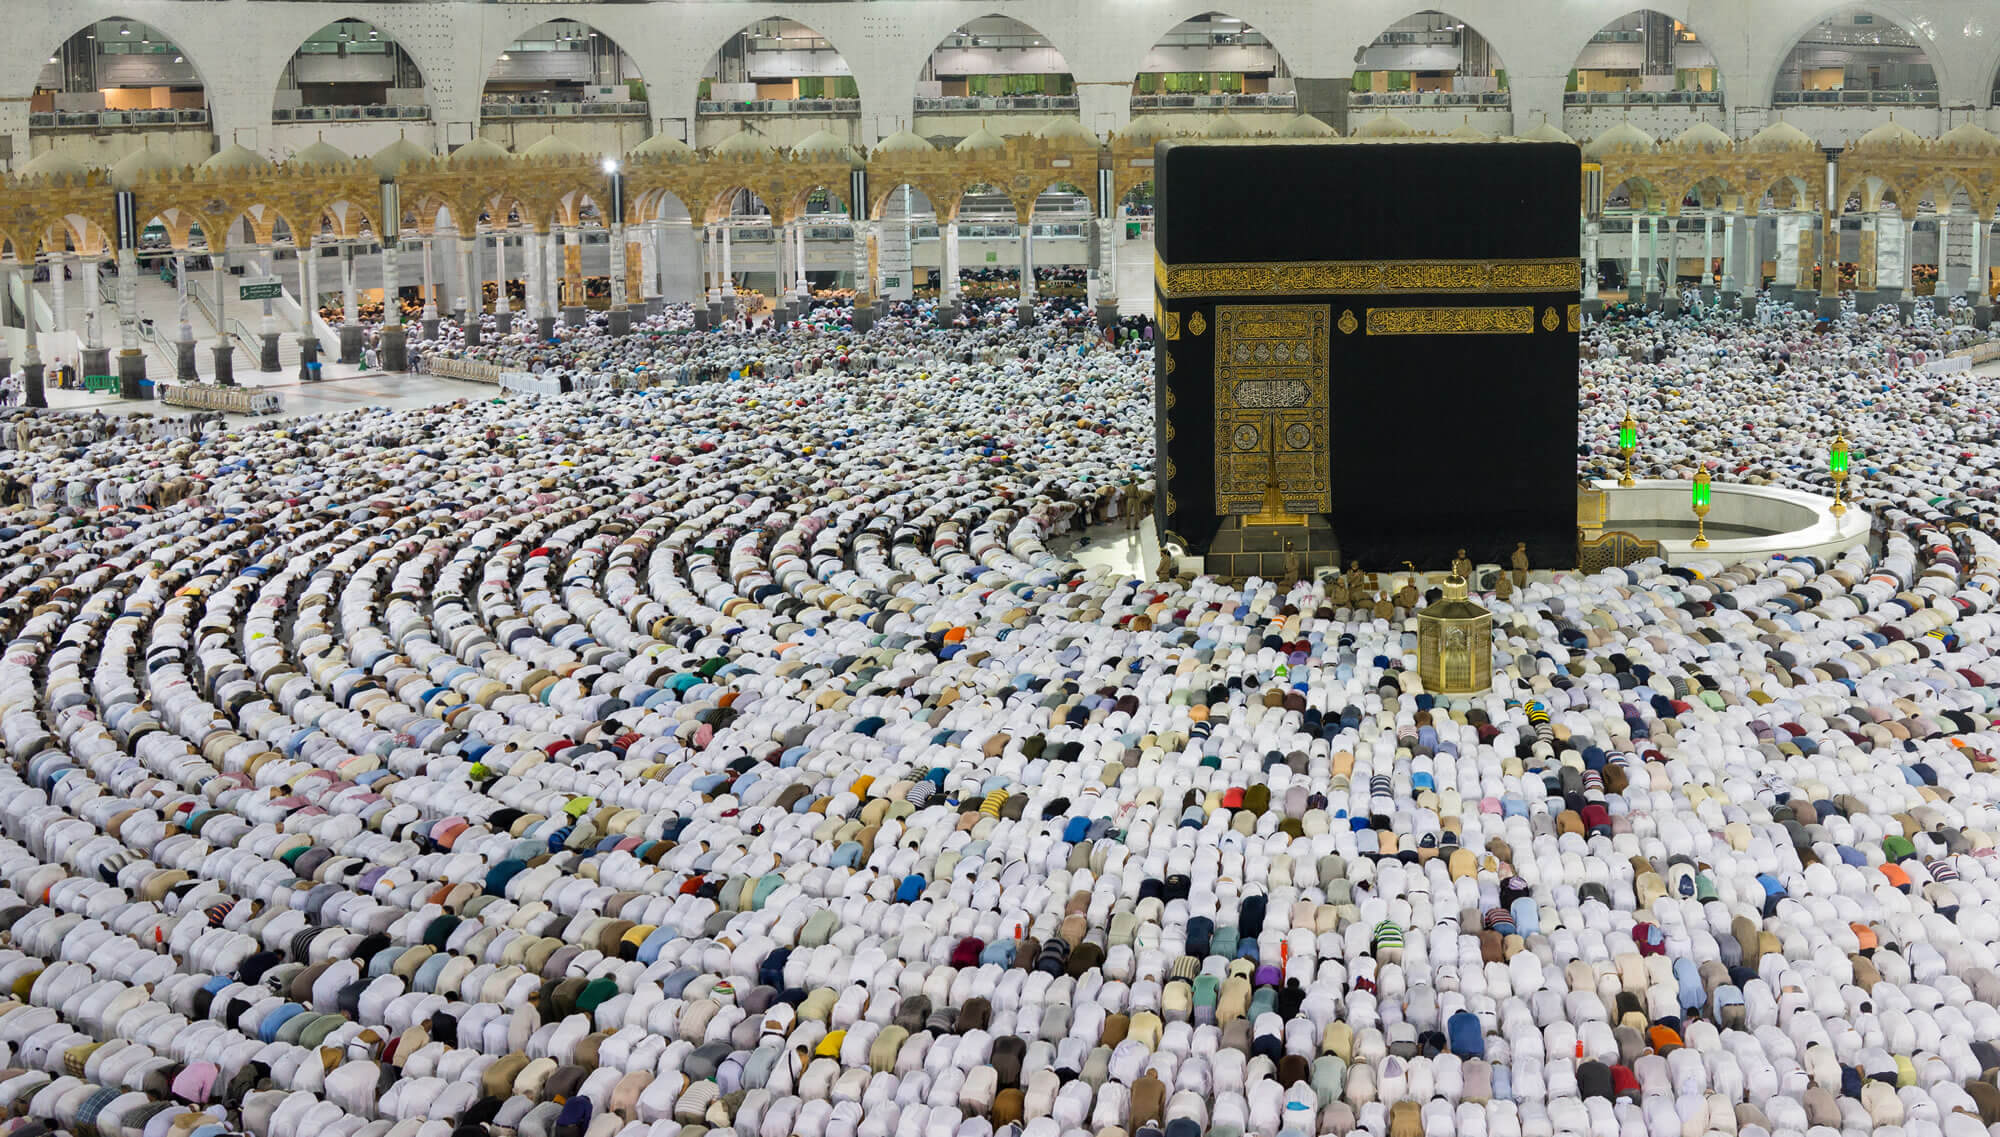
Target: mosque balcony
column 354, row 113
column 1642, row 98
column 96, row 121
column 778, row 106
column 1403, row 101
column 1282, row 99
column 973, row 104
column 610, row 108
column 1899, row 97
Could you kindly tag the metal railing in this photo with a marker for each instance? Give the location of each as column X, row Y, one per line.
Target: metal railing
column 778, row 106
column 346, row 113
column 1173, row 102
column 561, row 109
column 1430, row 99
column 96, row 120
column 999, row 103
column 1642, row 98
column 1896, row 98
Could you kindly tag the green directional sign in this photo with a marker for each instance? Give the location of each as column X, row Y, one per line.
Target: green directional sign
column 261, row 288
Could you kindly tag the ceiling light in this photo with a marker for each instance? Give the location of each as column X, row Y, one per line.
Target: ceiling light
column 52, row 59
column 125, row 29
column 373, row 34
column 505, row 58
column 180, row 59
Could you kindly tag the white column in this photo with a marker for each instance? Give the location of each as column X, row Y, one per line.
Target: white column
column 350, row 305
column 711, row 265
column 1590, row 231
column 93, row 334
column 392, row 280
column 864, row 285
column 1871, row 223
column 1027, row 231
column 1674, row 255
column 552, row 273
column 1982, row 271
column 728, row 267
column 948, row 287
column 805, row 288
column 500, row 301
column 1654, row 285
column 649, row 258
column 306, row 252
column 128, row 299
column 1708, row 248
column 216, row 259
column 618, row 298
column 430, row 291
column 1910, row 259
column 1729, row 255
column 59, row 290
column 1635, row 273
column 180, row 286
column 468, row 283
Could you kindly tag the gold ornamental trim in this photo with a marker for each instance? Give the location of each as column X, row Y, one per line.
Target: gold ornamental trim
column 1319, row 278
column 1196, row 325
column 1575, row 318
column 1170, row 323
column 1451, row 321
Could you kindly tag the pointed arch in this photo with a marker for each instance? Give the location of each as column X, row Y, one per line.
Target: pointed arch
column 1853, row 49
column 997, row 57
column 551, row 63
column 1222, row 54
column 381, row 61
column 1432, row 56
column 1648, row 55
column 777, row 60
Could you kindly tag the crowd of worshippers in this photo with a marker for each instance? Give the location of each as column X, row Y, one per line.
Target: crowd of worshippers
column 750, row 756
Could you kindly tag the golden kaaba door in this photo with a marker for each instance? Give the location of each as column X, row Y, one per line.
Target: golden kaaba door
column 1272, row 406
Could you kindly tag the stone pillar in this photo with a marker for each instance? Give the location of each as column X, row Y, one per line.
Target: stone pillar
column 1941, row 291
column 1979, row 287
column 545, row 318
column 1707, row 252
column 575, row 314
column 799, row 264
column 1829, row 276
column 1635, row 275
column 131, row 358
column 620, row 315
column 32, row 393
column 1110, row 231
column 1024, row 308
column 224, row 350
column 468, row 287
column 1653, row 284
column 728, row 270
column 393, row 347
column 1907, row 306
column 59, row 291
column 96, row 357
column 1730, row 259
column 948, row 270
column 651, row 294
column 503, row 308
column 430, row 312
column 350, row 307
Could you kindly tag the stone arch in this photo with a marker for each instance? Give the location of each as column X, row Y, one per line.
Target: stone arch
column 1434, row 19
column 569, row 31
column 720, row 58
column 1885, row 14
column 1221, row 29
column 1673, row 55
column 984, row 39
column 378, row 34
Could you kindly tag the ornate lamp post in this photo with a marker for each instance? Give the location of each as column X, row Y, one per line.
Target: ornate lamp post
column 1628, row 443
column 1837, row 465
column 1700, row 509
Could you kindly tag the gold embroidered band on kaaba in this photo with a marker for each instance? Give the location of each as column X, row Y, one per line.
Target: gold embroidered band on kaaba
column 1319, row 278
column 1453, row 321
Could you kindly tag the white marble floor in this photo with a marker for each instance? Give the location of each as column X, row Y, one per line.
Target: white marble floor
column 1127, row 552
column 328, row 396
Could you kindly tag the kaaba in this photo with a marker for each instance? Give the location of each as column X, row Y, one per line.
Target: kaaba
column 1383, row 336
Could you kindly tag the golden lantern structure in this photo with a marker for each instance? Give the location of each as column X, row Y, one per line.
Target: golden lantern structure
column 1628, row 444
column 1836, row 461
column 1455, row 643
column 1700, row 502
